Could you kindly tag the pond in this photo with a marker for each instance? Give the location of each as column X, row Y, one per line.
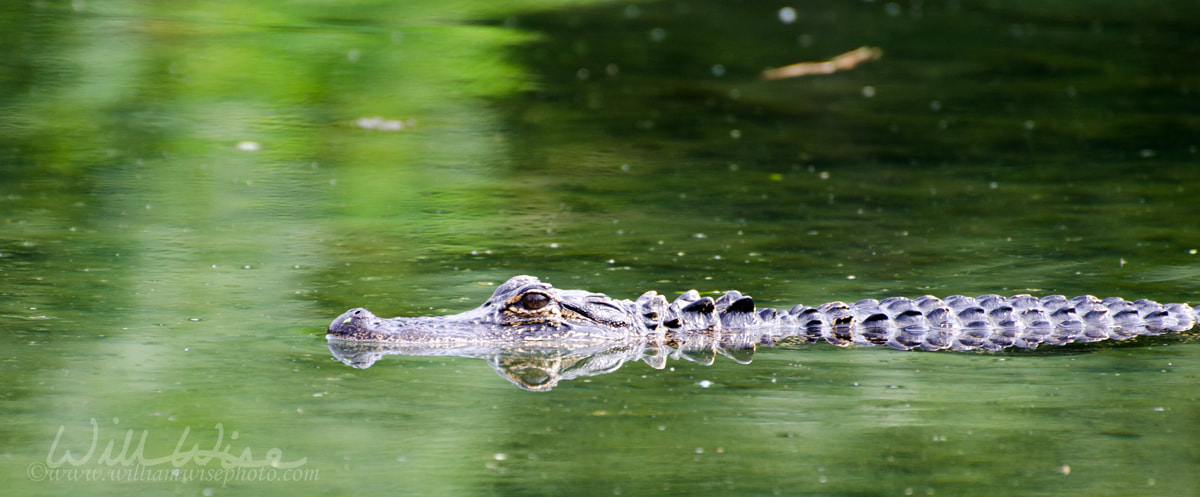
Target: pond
column 191, row 193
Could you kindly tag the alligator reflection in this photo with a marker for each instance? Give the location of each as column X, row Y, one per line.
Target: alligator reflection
column 540, row 369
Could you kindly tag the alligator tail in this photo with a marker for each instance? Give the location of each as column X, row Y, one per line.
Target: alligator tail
column 987, row 322
column 990, row 322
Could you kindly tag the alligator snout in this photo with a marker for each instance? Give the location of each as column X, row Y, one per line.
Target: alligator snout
column 354, row 323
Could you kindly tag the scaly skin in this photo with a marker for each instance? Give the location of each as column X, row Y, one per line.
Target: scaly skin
column 526, row 311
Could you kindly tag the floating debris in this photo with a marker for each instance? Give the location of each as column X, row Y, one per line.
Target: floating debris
column 381, row 124
column 841, row 62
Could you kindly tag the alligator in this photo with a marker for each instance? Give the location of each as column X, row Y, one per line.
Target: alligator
column 535, row 335
column 524, row 310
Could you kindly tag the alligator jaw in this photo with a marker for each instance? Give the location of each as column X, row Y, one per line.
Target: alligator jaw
column 471, row 327
column 359, row 324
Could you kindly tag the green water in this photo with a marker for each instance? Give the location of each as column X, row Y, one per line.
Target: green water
column 190, row 193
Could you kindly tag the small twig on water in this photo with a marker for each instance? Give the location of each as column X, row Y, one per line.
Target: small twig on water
column 841, row 62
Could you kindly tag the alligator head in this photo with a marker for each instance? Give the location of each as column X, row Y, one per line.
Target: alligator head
column 521, row 309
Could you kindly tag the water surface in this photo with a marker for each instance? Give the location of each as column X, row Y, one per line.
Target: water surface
column 190, row 195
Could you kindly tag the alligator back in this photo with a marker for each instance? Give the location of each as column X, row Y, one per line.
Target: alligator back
column 987, row 322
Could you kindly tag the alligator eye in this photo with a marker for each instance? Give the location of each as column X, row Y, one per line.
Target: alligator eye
column 534, row 301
